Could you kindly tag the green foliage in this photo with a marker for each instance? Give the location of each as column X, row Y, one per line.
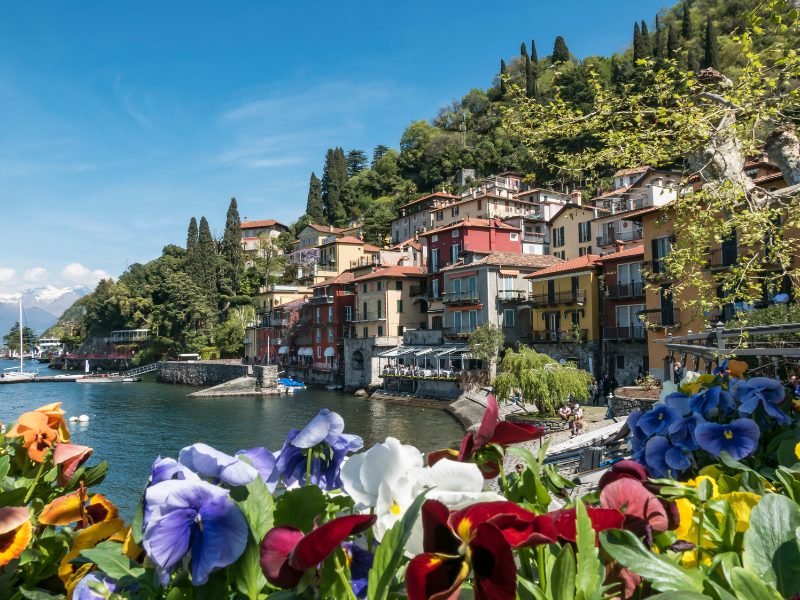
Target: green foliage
column 711, row 47
column 334, row 181
column 560, row 51
column 772, row 543
column 191, row 235
column 540, row 379
column 486, row 342
column 314, row 205
column 232, row 245
column 11, row 339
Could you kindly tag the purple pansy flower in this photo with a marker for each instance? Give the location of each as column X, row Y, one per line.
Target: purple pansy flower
column 360, row 562
column 323, row 437
column 263, row 461
column 192, row 517
column 679, row 402
column 738, row 438
column 169, row 468
column 663, row 459
column 763, row 391
column 711, row 402
column 657, row 420
column 638, row 439
column 213, row 464
column 681, row 432
column 85, row 590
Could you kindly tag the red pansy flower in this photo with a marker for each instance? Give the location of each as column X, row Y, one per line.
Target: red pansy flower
column 566, row 521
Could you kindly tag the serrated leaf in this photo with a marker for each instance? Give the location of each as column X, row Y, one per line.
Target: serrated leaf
column 390, row 552
column 109, row 558
column 589, row 578
column 663, row 574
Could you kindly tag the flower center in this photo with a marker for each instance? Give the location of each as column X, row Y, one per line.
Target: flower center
column 660, row 416
column 728, row 434
column 395, row 508
column 199, row 520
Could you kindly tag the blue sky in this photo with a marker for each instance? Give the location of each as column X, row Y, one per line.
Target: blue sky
column 123, row 120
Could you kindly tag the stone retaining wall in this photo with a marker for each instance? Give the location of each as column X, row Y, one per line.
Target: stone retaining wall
column 622, row 407
column 199, row 373
column 266, row 375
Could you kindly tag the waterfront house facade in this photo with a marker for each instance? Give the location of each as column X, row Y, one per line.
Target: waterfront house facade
column 384, row 303
column 332, row 307
column 414, row 216
column 253, row 231
column 570, row 231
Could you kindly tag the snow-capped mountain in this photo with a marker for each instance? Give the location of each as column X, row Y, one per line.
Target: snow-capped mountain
column 42, row 306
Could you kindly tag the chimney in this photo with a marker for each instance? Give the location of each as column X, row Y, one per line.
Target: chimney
column 577, row 197
column 619, row 246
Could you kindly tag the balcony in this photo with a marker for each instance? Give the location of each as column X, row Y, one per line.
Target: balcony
column 628, row 333
column 458, row 332
column 417, row 290
column 462, row 297
column 512, row 295
column 536, row 238
column 722, row 258
column 629, row 235
column 323, row 299
column 634, row 289
column 362, row 317
column 571, row 297
column 551, row 336
column 666, row 318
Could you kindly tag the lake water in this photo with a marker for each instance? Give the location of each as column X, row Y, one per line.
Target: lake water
column 132, row 423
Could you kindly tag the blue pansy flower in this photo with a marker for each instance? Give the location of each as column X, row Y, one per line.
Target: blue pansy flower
column 657, row 420
column 663, row 459
column 324, row 439
column 196, row 519
column 263, row 461
column 164, row 469
column 360, row 562
column 679, row 402
column 682, row 432
column 213, row 464
column 763, row 391
column 638, row 438
column 738, row 438
column 711, row 402
column 97, row 586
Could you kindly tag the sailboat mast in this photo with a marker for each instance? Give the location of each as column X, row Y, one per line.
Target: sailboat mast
column 20, row 336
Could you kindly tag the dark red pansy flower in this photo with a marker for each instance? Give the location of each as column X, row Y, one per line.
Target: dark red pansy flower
column 566, row 521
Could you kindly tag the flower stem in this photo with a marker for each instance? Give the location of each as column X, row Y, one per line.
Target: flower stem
column 503, row 480
column 309, row 456
column 35, row 482
column 541, row 566
column 340, row 572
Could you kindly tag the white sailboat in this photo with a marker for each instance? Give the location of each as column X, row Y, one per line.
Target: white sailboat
column 18, row 374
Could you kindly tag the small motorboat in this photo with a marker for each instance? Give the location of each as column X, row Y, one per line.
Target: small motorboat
column 288, row 382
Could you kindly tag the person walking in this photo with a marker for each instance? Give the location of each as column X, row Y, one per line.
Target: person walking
column 677, row 373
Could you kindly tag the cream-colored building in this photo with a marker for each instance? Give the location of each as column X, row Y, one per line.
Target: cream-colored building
column 384, row 302
column 571, row 231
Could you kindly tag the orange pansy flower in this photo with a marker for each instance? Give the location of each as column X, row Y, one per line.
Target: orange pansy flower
column 38, row 437
column 87, row 538
column 72, row 508
column 737, row 368
column 15, row 532
column 55, row 420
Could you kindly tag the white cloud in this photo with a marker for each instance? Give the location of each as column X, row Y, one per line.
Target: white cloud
column 35, row 275
column 6, row 274
column 78, row 274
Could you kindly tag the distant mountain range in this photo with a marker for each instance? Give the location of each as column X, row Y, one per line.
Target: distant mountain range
column 41, row 307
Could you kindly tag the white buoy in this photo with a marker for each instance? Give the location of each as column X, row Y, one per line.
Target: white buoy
column 83, row 418
column 73, row 419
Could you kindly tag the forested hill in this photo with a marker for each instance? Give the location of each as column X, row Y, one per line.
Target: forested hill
column 468, row 134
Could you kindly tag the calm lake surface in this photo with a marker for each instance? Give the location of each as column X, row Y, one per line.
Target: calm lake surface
column 132, row 423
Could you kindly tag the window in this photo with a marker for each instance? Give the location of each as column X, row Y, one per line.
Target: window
column 629, row 279
column 667, row 306
column 435, row 260
column 364, row 310
column 660, row 247
column 473, row 320
column 380, row 330
column 399, row 306
column 457, row 321
column 434, row 288
column 454, row 233
column 472, row 286
column 584, row 232
column 582, row 251
column 348, row 313
column 330, row 334
column 508, row 317
column 558, row 236
column 435, row 237
column 365, row 332
column 319, row 352
column 378, row 286
column 455, row 250
column 479, row 204
column 507, row 283
column 380, row 310
column 514, row 237
column 439, row 215
column 562, row 255
column 400, row 330
column 551, row 291
column 317, row 315
column 364, row 288
column 620, row 361
column 398, row 285
column 318, row 335
column 330, row 314
column 454, row 211
column 455, row 286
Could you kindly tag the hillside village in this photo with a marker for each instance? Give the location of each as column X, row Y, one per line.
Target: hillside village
column 578, row 279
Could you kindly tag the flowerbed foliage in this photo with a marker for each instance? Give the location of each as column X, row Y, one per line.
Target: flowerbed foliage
column 708, row 508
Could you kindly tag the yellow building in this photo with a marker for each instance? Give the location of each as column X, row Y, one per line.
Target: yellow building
column 384, row 304
column 273, row 295
column 565, row 312
column 571, row 231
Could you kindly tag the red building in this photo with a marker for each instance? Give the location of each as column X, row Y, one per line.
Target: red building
column 330, row 315
column 624, row 333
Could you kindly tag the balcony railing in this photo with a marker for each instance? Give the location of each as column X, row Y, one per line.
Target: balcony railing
column 634, row 289
column 364, row 317
column 628, row 235
column 667, row 318
column 536, row 238
column 512, row 295
column 631, row 332
column 559, row 336
column 720, row 258
column 462, row 297
column 571, row 297
column 321, row 299
column 463, row 331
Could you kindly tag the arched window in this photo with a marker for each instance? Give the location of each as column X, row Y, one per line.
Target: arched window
column 358, row 360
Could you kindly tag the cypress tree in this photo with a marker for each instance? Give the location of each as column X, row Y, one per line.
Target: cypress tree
column 205, row 268
column 672, row 42
column 534, row 56
column 526, row 65
column 232, row 244
column 657, row 43
column 560, row 51
column 711, row 54
column 502, row 80
column 637, row 43
column 646, row 50
column 356, row 162
column 692, row 63
column 378, row 152
column 337, row 180
column 686, row 22
column 191, row 236
column 314, row 208
column 325, row 184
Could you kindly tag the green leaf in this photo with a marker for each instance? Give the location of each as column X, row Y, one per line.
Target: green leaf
column 91, row 476
column 137, row 524
column 109, row 558
column 663, row 574
column 786, row 455
column 589, row 580
column 389, row 554
column 5, row 462
column 562, row 577
column 531, row 588
column 38, row 595
column 246, row 571
column 298, row 508
column 681, row 596
column 771, row 549
column 747, row 584
column 15, row 497
column 258, row 507
column 790, row 484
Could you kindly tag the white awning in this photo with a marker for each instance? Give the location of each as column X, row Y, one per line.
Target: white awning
column 283, row 350
column 305, row 352
column 329, row 351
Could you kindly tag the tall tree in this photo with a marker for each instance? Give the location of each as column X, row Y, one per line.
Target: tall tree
column 333, row 182
column 672, row 42
column 377, row 154
column 711, row 47
column 526, row 64
column 560, row 51
column 356, row 162
column 502, row 78
column 232, row 245
column 206, row 266
column 646, row 47
column 314, row 206
column 692, row 62
column 534, row 55
column 191, row 235
column 637, row 42
column 325, row 184
column 686, row 22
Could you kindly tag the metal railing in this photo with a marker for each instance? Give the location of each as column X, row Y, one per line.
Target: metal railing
column 560, row 335
column 513, row 295
column 662, row 317
column 630, row 332
column 726, row 256
column 570, row 297
column 324, row 299
column 363, row 317
column 608, row 238
column 633, row 289
column 463, row 331
column 462, row 297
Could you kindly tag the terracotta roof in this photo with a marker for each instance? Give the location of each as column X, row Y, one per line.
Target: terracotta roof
column 634, row 213
column 627, row 253
column 508, row 259
column 469, row 222
column 434, row 195
column 371, row 248
column 291, row 305
column 632, row 171
column 617, row 192
column 341, row 278
column 396, row 271
column 346, row 239
column 325, row 228
column 262, row 223
column 409, row 242
column 582, row 263
column 768, row 177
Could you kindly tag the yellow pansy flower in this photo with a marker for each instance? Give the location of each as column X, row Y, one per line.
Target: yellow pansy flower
column 741, row 504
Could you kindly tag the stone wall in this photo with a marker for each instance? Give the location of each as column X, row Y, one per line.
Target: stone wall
column 266, row 375
column 587, row 355
column 633, row 356
column 199, row 373
column 622, row 407
column 361, row 360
